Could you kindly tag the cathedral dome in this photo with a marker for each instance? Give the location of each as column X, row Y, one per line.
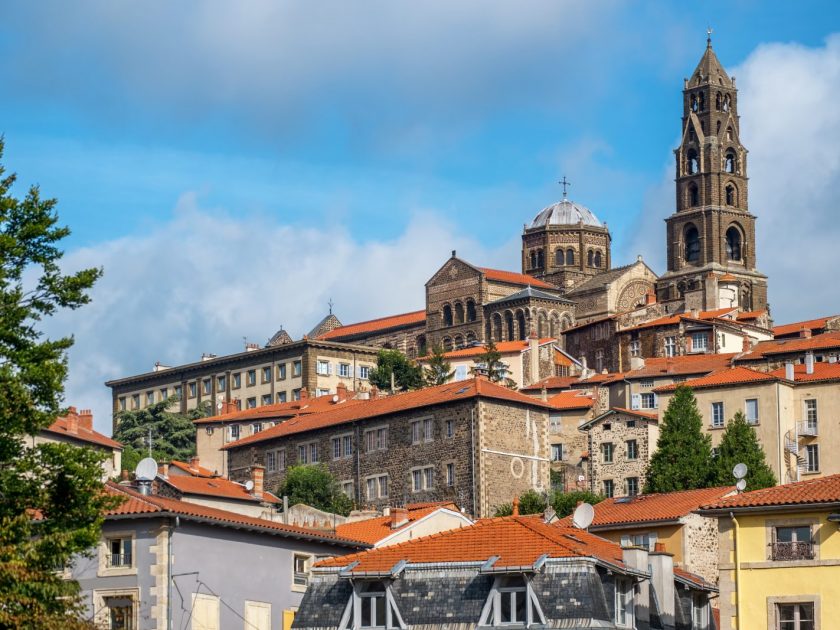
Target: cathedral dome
column 565, row 212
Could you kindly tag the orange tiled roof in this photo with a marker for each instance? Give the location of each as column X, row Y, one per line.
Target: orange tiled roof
column 429, row 396
column 136, row 503
column 372, row 530
column 675, row 319
column 195, row 471
column 516, row 540
column 688, row 364
column 505, row 347
column 795, row 327
column 747, row 316
column 811, row 491
column 552, row 382
column 512, row 277
column 602, row 379
column 60, row 426
column 652, row 508
column 374, row 325
column 695, row 580
column 763, row 349
column 822, row 372
column 572, row 399
column 217, row 487
column 288, row 409
column 722, row 378
column 636, row 412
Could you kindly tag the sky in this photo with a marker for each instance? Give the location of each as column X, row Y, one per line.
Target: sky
column 234, row 166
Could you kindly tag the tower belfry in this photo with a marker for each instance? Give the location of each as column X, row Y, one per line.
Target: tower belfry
column 711, row 236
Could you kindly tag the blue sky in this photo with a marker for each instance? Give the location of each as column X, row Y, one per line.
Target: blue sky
column 234, row 165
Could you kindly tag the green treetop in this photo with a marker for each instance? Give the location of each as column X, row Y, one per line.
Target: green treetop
column 683, row 457
column 739, row 445
column 407, row 374
column 438, row 371
column 313, row 485
column 490, row 363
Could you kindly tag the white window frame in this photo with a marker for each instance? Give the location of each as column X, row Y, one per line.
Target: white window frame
column 377, row 485
column 342, row 441
column 625, row 610
column 699, row 347
column 364, row 372
column 611, row 486
column 648, row 400
column 747, row 402
column 351, row 618
column 635, row 347
column 811, row 465
column 670, row 346
column 611, row 449
column 635, row 449
column 266, row 374
column 127, row 544
column 322, row 367
column 422, row 474
column 635, row 481
column 557, row 452
column 718, row 422
column 300, row 579
column 810, row 412
column 428, row 429
column 450, row 474
column 450, row 428
column 491, row 614
column 376, row 439
column 344, row 370
column 233, row 432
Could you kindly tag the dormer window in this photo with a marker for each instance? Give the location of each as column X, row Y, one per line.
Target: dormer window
column 511, row 602
column 371, row 606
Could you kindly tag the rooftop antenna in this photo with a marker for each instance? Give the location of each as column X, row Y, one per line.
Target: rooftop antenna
column 583, row 516
column 709, row 37
column 565, row 183
column 150, row 441
column 330, row 305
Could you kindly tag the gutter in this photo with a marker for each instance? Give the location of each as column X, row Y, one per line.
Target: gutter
column 758, row 509
column 737, row 573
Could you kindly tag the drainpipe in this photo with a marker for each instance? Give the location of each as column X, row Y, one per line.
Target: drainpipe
column 781, row 450
column 172, row 525
column 472, row 459
column 737, row 574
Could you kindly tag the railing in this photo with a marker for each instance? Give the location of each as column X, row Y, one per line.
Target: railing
column 792, row 551
column 808, row 428
column 119, row 559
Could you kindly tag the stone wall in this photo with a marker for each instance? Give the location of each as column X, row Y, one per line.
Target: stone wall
column 621, row 467
column 701, row 546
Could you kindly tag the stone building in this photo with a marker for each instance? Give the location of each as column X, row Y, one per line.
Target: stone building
column 471, row 442
column 569, row 446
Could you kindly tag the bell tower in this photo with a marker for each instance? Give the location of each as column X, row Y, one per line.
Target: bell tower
column 711, row 236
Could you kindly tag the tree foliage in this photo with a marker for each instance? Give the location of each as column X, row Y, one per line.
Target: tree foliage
column 739, row 445
column 51, row 499
column 438, row 370
column 683, row 457
column 490, row 363
column 563, row 503
column 407, row 374
column 313, row 485
column 173, row 433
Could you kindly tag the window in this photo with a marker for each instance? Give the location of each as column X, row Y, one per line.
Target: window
column 322, row 391
column 570, row 257
column 122, row 403
column 271, row 461
column 347, row 488
column 693, row 195
column 178, row 390
column 135, row 401
column 646, row 383
column 374, row 607
column 645, row 541
column 599, row 360
column 296, row 394
column 266, row 374
column 792, row 543
column 233, row 432
column 717, row 415
column 377, row 487
column 607, row 452
column 811, row 413
column 607, row 426
column 699, row 342
column 700, row 610
column 428, row 429
column 812, row 458
column 119, row 552
column 256, row 427
column 597, row 259
column 266, row 399
column 557, row 452
column 460, row 372
column 670, row 346
column 795, row 616
column 150, row 398
column 450, row 475
column 364, row 372
column 609, row 489
column 251, row 403
column 415, row 432
column 751, row 410
column 281, row 397
column 342, row 446
column 631, row 424
column 376, row 439
column 632, row 449
column 512, row 602
column 631, row 486
column 221, row 383
column 120, row 612
column 281, row 371
column 301, row 569
column 251, row 377
column 237, row 380
column 624, row 613
column 296, row 368
column 635, row 348
column 322, row 368
column 313, row 453
column 164, row 393
column 648, row 400
column 733, row 237
column 692, row 244
column 303, row 454
column 422, row 479
column 447, row 312
column 344, row 370
column 450, row 428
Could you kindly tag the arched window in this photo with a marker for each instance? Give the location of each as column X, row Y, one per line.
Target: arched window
column 730, row 162
column 733, row 243
column 693, row 195
column 718, row 101
column 509, row 326
column 598, row 259
column 590, row 257
column 421, row 345
column 718, row 128
column 692, row 164
column 730, row 195
column 542, row 325
column 570, row 257
column 447, row 315
column 520, row 323
column 702, row 101
column 726, row 103
column 692, row 136
column 533, row 259
column 458, row 341
column 498, row 329
column 459, row 313
column 447, row 344
column 471, row 338
column 729, row 133
column 540, row 259
column 692, row 244
column 695, row 105
column 470, row 311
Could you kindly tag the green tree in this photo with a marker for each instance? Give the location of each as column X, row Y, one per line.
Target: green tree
column 438, row 371
column 683, row 457
column 407, row 374
column 739, row 445
column 173, row 433
column 51, row 498
column 313, row 485
column 490, row 363
column 563, row 503
column 531, row 502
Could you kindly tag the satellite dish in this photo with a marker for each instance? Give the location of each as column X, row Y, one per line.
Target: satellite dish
column 740, row 471
column 335, row 398
column 249, row 485
column 221, row 403
column 582, row 518
column 742, row 483
column 146, row 469
column 581, row 478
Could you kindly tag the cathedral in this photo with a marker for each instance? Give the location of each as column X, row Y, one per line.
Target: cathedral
column 567, row 277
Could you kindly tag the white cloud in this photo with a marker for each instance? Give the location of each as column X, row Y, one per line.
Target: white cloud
column 790, row 122
column 205, row 280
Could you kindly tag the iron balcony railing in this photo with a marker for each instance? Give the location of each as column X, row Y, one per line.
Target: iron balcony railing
column 792, row 550
column 119, row 559
column 808, row 428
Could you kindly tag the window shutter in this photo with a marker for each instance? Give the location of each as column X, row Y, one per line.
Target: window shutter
column 625, row 540
column 635, row 401
column 655, row 401
column 652, row 540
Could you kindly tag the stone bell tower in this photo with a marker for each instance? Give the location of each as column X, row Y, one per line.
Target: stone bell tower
column 711, row 236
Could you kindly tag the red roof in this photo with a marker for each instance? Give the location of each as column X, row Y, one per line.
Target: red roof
column 372, row 530
column 675, row 319
column 636, row 412
column 504, row 347
column 516, row 540
column 747, row 316
column 811, row 491
column 652, row 508
column 688, row 364
column 794, row 328
column 822, row 372
column 61, row 426
column 601, row 379
column 722, row 378
column 796, row 344
column 213, row 486
column 136, row 503
column 195, row 471
column 278, row 410
column 344, row 412
column 374, row 325
column 511, row 277
column 698, row 581
column 572, row 399
column 552, row 382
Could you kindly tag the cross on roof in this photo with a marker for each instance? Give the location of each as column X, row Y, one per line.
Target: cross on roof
column 709, row 35
column 330, row 303
column 565, row 183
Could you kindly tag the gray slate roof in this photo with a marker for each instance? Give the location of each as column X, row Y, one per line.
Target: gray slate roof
column 530, row 293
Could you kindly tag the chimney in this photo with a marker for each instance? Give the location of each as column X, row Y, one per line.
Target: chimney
column 304, row 393
column 374, row 393
column 650, row 298
column 543, row 394
column 229, row 406
column 789, row 370
column 72, row 419
column 661, row 565
column 194, row 462
column 515, row 506
column 341, row 391
column 805, row 333
column 745, row 345
column 399, row 517
column 638, row 558
column 637, row 363
column 809, row 363
column 163, row 469
column 534, row 352
column 257, row 476
column 86, row 419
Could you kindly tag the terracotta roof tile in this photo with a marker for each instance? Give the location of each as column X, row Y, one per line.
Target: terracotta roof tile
column 675, row 319
column 511, row 277
column 687, row 364
column 385, row 405
column 795, row 327
column 60, row 426
column 413, row 318
column 602, row 379
column 372, row 530
column 572, row 399
column 517, row 540
column 763, row 349
column 636, row 412
column 279, row 411
column 823, row 371
column 217, row 487
column 810, row 491
column 552, row 382
column 722, row 378
column 195, row 471
column 747, row 316
column 695, row 580
column 505, row 347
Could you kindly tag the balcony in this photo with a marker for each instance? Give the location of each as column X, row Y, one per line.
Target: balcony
column 118, row 559
column 808, row 428
column 785, row 551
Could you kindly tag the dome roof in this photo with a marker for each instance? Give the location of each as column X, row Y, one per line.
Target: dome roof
column 565, row 212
